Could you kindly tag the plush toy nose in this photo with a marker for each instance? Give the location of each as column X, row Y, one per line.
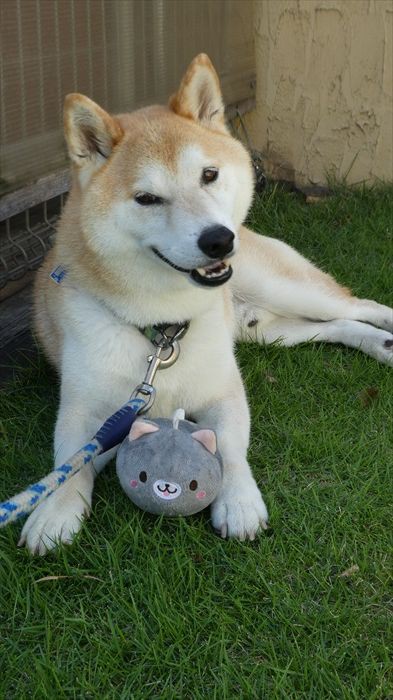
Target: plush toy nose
column 216, row 241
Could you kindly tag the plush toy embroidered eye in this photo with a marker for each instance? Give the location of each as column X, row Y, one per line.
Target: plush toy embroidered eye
column 170, row 467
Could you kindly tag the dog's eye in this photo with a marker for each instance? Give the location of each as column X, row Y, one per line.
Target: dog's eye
column 143, row 477
column 193, row 485
column 145, row 198
column 209, row 175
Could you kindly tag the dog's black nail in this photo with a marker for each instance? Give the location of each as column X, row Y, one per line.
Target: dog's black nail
column 388, row 343
column 252, row 323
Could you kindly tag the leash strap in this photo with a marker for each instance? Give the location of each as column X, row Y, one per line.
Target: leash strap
column 111, row 433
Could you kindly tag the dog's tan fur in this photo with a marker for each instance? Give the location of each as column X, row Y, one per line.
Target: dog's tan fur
column 89, row 324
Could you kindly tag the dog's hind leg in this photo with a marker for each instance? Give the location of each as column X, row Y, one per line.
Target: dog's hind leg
column 271, row 276
column 355, row 334
column 278, row 294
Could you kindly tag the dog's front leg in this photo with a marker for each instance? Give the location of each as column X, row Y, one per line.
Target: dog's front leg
column 59, row 517
column 239, row 510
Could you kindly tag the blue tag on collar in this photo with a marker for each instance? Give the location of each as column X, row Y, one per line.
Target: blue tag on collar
column 58, row 274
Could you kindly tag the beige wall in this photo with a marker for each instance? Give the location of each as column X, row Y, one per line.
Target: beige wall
column 324, row 89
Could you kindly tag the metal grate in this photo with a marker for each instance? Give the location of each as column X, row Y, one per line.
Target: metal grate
column 26, row 238
column 28, row 220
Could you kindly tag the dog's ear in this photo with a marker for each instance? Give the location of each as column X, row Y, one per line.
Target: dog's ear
column 199, row 96
column 91, row 133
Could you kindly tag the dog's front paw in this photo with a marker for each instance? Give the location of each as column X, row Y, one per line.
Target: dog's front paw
column 55, row 520
column 239, row 510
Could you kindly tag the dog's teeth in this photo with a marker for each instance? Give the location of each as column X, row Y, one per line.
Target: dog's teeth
column 212, row 272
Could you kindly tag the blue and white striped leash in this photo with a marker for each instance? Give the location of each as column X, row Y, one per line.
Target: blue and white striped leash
column 111, row 433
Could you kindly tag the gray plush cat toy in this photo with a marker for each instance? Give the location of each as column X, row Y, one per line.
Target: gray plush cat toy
column 170, row 467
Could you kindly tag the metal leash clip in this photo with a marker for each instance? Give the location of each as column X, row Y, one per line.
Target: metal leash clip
column 167, row 338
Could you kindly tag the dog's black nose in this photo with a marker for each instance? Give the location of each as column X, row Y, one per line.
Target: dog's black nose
column 216, row 241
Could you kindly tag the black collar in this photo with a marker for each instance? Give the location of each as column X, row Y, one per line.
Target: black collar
column 158, row 332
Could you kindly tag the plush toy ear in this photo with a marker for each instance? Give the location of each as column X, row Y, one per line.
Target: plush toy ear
column 91, row 133
column 199, row 95
column 207, row 438
column 141, row 427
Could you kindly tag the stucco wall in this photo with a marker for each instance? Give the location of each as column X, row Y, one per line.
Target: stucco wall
column 324, row 89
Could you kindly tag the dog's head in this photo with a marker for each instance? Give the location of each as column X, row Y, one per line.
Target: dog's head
column 169, row 183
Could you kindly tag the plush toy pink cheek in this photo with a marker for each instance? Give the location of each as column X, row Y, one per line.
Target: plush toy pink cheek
column 134, row 483
column 200, row 495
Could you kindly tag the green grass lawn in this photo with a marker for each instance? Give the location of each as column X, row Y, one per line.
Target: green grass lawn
column 140, row 607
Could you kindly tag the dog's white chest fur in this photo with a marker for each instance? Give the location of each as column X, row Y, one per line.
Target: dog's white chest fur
column 102, row 345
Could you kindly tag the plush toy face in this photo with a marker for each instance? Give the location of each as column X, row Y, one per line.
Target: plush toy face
column 169, row 470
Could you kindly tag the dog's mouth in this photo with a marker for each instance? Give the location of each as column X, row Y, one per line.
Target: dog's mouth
column 210, row 276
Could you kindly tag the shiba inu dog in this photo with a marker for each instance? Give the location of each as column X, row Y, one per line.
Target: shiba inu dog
column 152, row 233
